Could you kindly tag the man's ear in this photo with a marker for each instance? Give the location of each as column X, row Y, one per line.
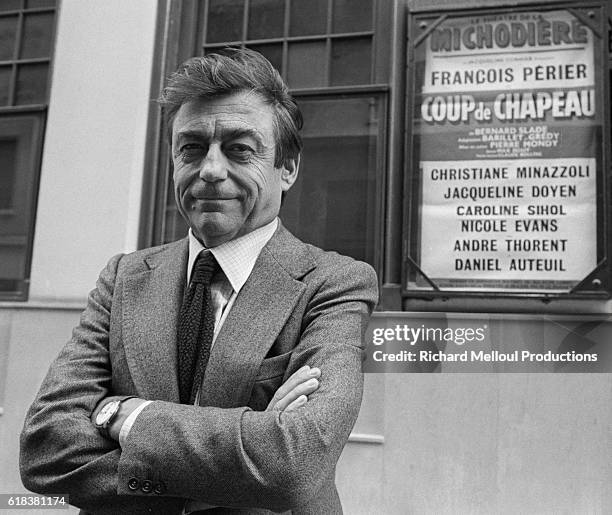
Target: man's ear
column 289, row 172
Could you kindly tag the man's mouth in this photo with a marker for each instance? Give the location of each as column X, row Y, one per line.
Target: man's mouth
column 208, row 198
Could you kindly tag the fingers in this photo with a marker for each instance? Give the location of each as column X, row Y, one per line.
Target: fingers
column 297, row 403
column 301, row 384
column 302, row 375
column 301, row 390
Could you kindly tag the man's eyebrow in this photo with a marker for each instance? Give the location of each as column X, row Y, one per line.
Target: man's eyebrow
column 190, row 134
column 226, row 134
column 241, row 132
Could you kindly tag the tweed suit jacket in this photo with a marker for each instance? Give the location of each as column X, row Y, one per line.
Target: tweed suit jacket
column 300, row 306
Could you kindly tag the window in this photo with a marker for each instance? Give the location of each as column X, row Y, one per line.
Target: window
column 26, row 40
column 338, row 71
column 334, row 203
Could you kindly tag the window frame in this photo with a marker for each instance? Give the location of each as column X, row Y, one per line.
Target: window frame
column 35, row 117
column 381, row 94
column 27, row 128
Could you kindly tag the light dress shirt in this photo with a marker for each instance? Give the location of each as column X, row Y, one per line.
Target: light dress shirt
column 236, row 259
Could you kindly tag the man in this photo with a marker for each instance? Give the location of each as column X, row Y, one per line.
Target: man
column 233, row 392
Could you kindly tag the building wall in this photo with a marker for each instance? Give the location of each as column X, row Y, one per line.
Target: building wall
column 424, row 443
column 507, row 443
column 29, row 341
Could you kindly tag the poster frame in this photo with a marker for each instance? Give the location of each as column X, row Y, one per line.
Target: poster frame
column 598, row 283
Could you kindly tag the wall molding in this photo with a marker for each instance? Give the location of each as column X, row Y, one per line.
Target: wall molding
column 51, row 305
column 366, row 438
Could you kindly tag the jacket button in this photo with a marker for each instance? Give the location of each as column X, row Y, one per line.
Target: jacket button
column 133, row 483
column 147, row 486
column 159, row 488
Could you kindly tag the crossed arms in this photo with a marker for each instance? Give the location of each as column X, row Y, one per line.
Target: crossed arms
column 223, row 456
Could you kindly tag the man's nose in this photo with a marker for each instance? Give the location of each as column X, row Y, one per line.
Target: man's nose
column 213, row 167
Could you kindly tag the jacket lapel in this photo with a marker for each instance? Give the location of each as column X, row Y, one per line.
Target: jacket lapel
column 152, row 300
column 261, row 309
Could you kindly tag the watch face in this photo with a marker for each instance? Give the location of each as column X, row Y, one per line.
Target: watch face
column 106, row 412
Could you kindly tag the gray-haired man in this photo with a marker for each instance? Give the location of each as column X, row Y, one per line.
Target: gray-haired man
column 220, row 373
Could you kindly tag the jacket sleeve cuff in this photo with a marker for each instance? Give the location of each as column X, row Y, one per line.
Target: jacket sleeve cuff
column 129, row 422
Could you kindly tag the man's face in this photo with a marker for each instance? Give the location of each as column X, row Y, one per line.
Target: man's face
column 225, row 181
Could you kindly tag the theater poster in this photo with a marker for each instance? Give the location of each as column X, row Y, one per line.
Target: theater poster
column 507, row 152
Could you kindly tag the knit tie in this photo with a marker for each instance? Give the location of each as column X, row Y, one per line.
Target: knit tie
column 195, row 328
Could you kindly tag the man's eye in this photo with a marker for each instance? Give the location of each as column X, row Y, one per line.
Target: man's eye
column 191, row 151
column 191, row 148
column 239, row 151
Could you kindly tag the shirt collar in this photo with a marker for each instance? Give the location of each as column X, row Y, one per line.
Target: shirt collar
column 235, row 257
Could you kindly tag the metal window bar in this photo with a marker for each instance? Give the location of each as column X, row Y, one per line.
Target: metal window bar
column 16, row 61
column 328, row 36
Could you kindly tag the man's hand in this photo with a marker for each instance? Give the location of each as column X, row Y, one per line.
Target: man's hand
column 294, row 392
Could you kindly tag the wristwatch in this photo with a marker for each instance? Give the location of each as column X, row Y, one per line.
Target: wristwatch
column 107, row 414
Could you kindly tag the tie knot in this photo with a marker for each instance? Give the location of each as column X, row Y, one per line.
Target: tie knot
column 204, row 268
